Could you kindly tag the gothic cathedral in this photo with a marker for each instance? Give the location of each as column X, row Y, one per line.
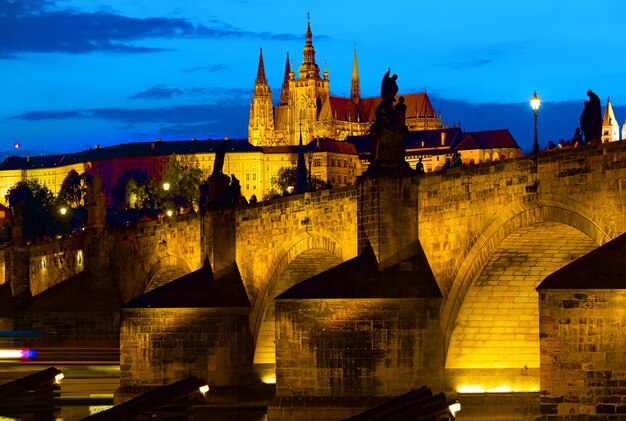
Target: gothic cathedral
column 307, row 108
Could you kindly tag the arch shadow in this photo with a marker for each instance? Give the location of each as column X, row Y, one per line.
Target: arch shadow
column 507, row 220
column 165, row 262
column 301, row 244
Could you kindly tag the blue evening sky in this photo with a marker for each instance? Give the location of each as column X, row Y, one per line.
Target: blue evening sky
column 74, row 74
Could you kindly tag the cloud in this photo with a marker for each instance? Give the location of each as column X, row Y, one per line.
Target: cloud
column 216, row 93
column 181, row 114
column 209, row 69
column 35, row 26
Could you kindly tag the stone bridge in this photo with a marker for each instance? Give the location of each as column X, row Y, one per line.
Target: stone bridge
column 490, row 234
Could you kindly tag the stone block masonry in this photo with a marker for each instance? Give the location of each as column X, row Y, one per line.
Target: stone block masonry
column 357, row 347
column 159, row 346
column 583, row 353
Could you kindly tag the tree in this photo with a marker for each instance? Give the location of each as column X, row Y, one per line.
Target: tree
column 184, row 184
column 73, row 190
column 37, row 207
column 286, row 177
column 134, row 188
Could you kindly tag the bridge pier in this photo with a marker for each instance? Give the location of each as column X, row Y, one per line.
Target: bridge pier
column 388, row 216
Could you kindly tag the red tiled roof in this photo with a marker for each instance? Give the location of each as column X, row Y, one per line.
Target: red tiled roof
column 489, row 139
column 329, row 145
column 468, row 143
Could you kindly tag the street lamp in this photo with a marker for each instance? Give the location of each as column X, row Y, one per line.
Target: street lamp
column 166, row 186
column 63, row 210
column 535, row 102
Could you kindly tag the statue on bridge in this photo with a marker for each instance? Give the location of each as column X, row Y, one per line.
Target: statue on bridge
column 591, row 118
column 389, row 130
column 215, row 189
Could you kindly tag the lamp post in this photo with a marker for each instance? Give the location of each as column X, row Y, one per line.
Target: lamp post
column 535, row 102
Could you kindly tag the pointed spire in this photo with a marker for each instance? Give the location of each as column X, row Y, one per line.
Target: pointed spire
column 355, row 87
column 309, row 68
column 260, row 74
column 284, row 92
column 287, row 68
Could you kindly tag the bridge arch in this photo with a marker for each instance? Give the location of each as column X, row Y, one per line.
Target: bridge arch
column 498, row 278
column 164, row 270
column 307, row 255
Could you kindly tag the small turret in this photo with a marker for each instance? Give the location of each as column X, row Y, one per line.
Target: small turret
column 610, row 126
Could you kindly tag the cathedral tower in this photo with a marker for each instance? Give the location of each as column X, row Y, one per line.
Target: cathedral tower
column 307, row 94
column 610, row 126
column 261, row 121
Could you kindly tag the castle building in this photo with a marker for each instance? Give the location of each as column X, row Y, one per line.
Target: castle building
column 610, row 126
column 306, row 106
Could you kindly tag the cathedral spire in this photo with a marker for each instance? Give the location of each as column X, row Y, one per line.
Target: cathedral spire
column 309, row 68
column 260, row 74
column 355, row 88
column 284, row 92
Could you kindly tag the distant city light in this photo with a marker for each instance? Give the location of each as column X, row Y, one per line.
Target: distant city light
column 16, row 354
column 204, row 389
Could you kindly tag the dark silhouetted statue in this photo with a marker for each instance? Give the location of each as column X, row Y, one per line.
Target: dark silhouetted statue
column 389, row 129
column 220, row 153
column 215, row 190
column 591, row 118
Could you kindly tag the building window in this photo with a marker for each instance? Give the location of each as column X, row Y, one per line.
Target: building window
column 345, row 179
column 253, row 176
column 247, row 176
column 332, row 162
column 247, row 186
column 345, row 163
column 317, row 162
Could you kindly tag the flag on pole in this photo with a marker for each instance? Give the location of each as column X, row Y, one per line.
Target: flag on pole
column 17, row 145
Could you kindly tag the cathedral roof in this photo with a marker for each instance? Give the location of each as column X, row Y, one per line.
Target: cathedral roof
column 345, row 109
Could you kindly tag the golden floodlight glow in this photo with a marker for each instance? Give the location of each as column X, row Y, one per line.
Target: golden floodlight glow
column 58, row 378
column 454, row 407
column 204, row 389
column 269, row 379
column 497, row 389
